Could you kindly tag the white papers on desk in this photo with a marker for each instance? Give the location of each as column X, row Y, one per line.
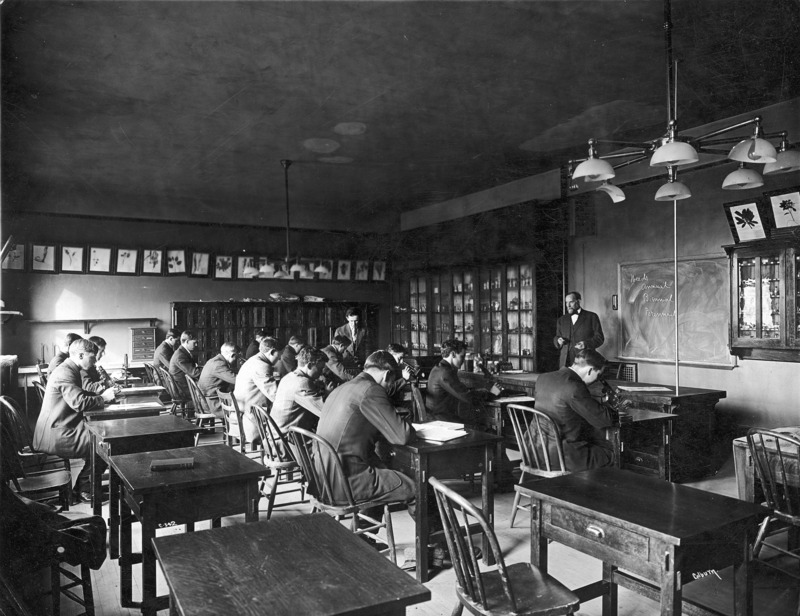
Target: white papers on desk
column 632, row 388
column 134, row 405
column 150, row 389
column 515, row 399
column 440, row 431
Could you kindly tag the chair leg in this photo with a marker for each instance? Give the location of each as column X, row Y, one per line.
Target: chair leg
column 88, row 596
column 760, row 536
column 387, row 518
column 515, row 506
column 273, row 490
column 55, row 589
column 458, row 609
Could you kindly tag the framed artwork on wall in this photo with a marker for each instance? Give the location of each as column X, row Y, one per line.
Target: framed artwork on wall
column 73, row 259
column 785, row 207
column 200, row 261
column 99, row 260
column 153, row 261
column 343, row 270
column 362, row 270
column 748, row 220
column 379, row 271
column 127, row 261
column 247, row 267
column 176, row 261
column 223, row 267
column 15, row 258
column 43, row 258
column 329, row 266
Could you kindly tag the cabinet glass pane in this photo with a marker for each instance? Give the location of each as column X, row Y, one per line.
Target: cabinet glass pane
column 747, row 298
column 770, row 297
column 796, row 297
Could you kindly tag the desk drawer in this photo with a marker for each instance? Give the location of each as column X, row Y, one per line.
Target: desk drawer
column 604, row 533
column 640, row 459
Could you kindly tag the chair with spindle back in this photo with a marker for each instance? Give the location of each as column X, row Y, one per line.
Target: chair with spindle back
column 42, row 375
column 539, row 442
column 30, row 458
column 40, row 390
column 234, row 426
column 203, row 415
column 176, row 401
column 519, row 589
column 420, row 413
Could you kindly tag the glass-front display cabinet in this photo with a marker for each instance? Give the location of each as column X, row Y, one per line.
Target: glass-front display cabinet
column 418, row 304
column 765, row 320
column 401, row 315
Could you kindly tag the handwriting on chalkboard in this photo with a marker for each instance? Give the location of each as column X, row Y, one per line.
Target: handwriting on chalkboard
column 647, row 311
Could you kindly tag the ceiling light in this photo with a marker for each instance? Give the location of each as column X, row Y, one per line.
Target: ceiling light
column 615, row 192
column 249, row 271
column 321, row 269
column 787, row 160
column 673, row 190
column 266, row 269
column 742, row 179
column 593, row 169
column 673, row 152
column 754, row 150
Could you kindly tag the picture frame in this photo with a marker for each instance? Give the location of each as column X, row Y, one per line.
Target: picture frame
column 200, row 264
column 43, row 258
column 247, row 267
column 176, row 262
column 223, row 267
column 15, row 258
column 362, row 270
column 153, row 262
column 100, row 260
column 343, row 270
column 127, row 261
column 785, row 207
column 748, row 219
column 379, row 271
column 73, row 260
column 329, row 264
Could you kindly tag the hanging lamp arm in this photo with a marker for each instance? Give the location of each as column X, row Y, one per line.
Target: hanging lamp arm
column 286, row 163
column 727, row 129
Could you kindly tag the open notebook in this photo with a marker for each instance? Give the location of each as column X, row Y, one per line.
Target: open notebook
column 440, row 431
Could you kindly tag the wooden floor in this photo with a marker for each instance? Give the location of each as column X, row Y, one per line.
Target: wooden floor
column 775, row 594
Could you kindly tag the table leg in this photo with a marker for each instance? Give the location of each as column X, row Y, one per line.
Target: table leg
column 610, row 595
column 743, row 467
column 743, row 575
column 148, row 569
column 421, row 521
column 96, row 480
column 671, row 591
column 114, row 495
column 252, row 495
column 125, row 555
column 487, row 497
column 538, row 540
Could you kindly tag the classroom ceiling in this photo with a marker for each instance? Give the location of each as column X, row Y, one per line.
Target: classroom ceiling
column 183, row 110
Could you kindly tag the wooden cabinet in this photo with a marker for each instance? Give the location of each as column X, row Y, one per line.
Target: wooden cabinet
column 218, row 322
column 143, row 343
column 765, row 297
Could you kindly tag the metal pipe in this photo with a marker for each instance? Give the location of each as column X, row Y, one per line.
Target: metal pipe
column 286, row 164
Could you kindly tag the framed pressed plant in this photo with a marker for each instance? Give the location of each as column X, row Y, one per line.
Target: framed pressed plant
column 785, row 207
column 223, row 267
column 100, row 260
column 43, row 258
column 176, row 261
column 73, row 259
column 15, row 258
column 748, row 220
column 153, row 262
column 200, row 264
column 343, row 270
column 127, row 261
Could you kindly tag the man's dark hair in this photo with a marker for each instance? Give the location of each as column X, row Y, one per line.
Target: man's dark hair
column 575, row 294
column 308, row 356
column 296, row 340
column 268, row 343
column 590, row 357
column 98, row 341
column 187, row 335
column 395, row 348
column 353, row 312
column 82, row 346
column 453, row 345
column 173, row 333
column 69, row 339
column 260, row 332
column 382, row 360
column 343, row 340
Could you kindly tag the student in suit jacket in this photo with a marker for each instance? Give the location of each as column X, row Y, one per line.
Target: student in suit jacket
column 219, row 373
column 577, row 330
column 564, row 396
column 256, row 384
column 445, row 391
column 183, row 363
column 299, row 399
column 253, row 347
column 166, row 349
column 61, row 429
column 63, row 354
column 335, row 371
column 288, row 362
column 356, row 350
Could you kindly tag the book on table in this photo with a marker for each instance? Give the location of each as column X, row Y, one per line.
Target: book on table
column 172, row 464
column 440, row 430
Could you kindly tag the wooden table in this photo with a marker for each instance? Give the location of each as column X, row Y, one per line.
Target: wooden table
column 660, row 533
column 121, row 436
column 308, row 564
column 421, row 459
column 223, row 482
column 642, row 442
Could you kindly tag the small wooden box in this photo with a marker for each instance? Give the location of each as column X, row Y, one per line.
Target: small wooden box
column 143, row 343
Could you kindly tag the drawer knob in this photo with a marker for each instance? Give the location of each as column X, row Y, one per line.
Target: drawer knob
column 595, row 531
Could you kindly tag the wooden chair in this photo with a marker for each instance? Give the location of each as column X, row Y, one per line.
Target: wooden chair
column 42, row 375
column 203, row 416
column 519, row 589
column 40, row 389
column 420, row 414
column 176, row 401
column 776, row 458
column 539, row 442
column 279, row 459
column 149, row 372
column 30, row 458
column 320, row 489
column 234, row 431
column 154, row 374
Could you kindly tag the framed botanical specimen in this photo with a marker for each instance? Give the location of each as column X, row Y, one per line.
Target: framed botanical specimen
column 223, row 267
column 43, row 258
column 343, row 270
column 127, row 260
column 379, row 270
column 153, row 261
column 176, row 261
column 99, row 260
column 328, row 266
column 73, row 259
column 247, row 267
column 748, row 220
column 15, row 258
column 785, row 206
column 200, row 262
column 362, row 270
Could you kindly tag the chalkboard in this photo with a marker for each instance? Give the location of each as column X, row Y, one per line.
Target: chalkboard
column 647, row 309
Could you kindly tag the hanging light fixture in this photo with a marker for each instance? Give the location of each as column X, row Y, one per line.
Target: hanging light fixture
column 673, row 190
column 593, row 168
column 615, row 192
column 787, row 160
column 756, row 149
column 673, row 152
column 742, row 179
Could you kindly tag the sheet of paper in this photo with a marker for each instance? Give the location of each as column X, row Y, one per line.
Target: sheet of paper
column 438, row 434
column 444, row 425
column 134, row 405
column 634, row 388
column 514, row 399
column 149, row 389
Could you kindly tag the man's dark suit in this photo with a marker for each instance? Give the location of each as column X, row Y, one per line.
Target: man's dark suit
column 564, row 397
column 61, row 429
column 57, row 360
column 357, row 414
column 163, row 355
column 586, row 329
column 444, row 393
column 216, row 374
column 356, row 351
column 335, row 369
column 288, row 361
column 181, row 364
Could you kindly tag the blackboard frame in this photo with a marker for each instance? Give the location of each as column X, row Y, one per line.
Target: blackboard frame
column 646, row 324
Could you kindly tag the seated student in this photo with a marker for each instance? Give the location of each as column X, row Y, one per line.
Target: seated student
column 299, row 399
column 219, row 373
column 61, row 429
column 96, row 379
column 289, row 355
column 564, row 396
column 165, row 350
column 356, row 415
column 256, row 383
column 63, row 354
column 183, row 363
column 445, row 391
column 253, row 347
column 404, row 374
column 335, row 371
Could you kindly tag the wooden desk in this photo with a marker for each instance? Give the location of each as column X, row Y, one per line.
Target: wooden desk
column 421, row 459
column 642, row 443
column 659, row 532
column 120, row 436
column 223, row 482
column 308, row 564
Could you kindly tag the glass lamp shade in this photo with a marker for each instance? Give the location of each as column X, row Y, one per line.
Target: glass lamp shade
column 754, row 150
column 787, row 161
column 594, row 170
column 321, row 269
column 742, row 179
column 615, row 192
column 674, row 154
column 297, row 268
column 282, row 272
column 673, row 191
column 266, row 269
column 249, row 272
